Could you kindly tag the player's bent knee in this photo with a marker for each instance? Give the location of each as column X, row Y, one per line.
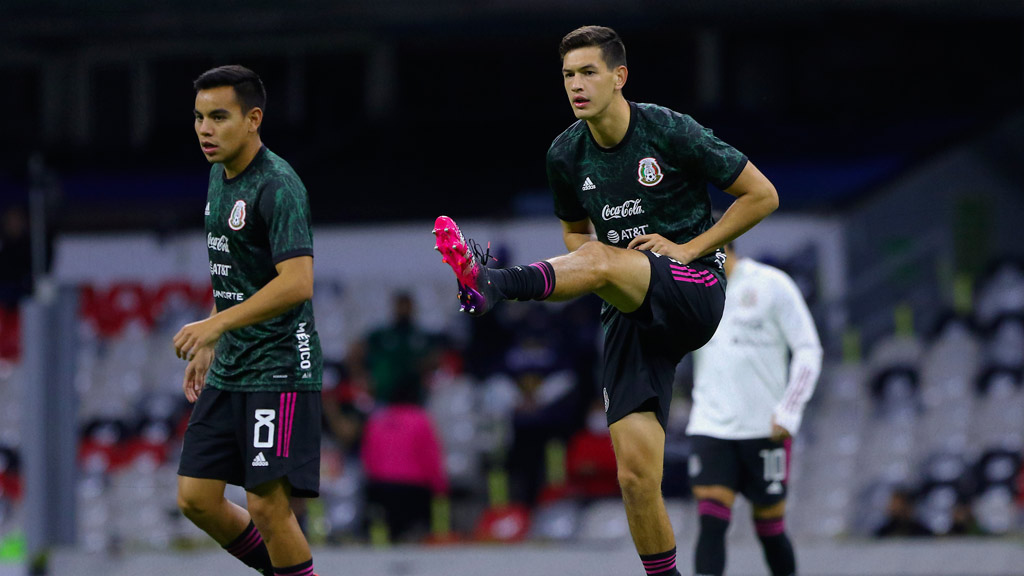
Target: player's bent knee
column 598, row 257
column 197, row 497
column 194, row 504
column 268, row 511
column 771, row 511
column 639, row 481
column 716, row 493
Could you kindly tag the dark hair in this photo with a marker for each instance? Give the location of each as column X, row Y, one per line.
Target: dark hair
column 612, row 48
column 247, row 84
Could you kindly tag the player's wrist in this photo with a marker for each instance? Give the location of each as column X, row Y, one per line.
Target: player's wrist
column 684, row 253
column 219, row 325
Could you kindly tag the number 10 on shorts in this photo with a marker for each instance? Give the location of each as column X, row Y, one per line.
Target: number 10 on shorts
column 774, row 464
column 263, row 431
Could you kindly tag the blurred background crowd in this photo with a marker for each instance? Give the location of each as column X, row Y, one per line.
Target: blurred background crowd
column 892, row 130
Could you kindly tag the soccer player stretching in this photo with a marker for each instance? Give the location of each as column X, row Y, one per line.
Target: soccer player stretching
column 751, row 382
column 636, row 174
column 256, row 421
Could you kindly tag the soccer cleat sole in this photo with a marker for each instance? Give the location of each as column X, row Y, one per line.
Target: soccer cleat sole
column 455, row 252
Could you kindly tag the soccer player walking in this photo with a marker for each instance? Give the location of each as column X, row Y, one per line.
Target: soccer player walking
column 751, row 382
column 636, row 174
column 256, row 421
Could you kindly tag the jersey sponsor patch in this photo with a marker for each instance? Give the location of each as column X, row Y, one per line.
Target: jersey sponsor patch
column 235, row 296
column 220, row 243
column 237, row 219
column 649, row 172
column 624, row 210
column 614, row 236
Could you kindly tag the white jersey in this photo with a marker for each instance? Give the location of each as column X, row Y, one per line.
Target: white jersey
column 763, row 361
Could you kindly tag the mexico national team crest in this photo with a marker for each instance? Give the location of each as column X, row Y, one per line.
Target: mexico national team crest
column 237, row 219
column 649, row 172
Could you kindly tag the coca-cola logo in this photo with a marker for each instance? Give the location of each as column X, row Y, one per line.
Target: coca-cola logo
column 220, row 244
column 626, row 209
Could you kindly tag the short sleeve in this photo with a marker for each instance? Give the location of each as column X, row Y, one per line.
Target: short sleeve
column 284, row 207
column 717, row 161
column 567, row 204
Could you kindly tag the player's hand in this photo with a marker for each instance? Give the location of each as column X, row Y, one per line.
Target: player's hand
column 192, row 337
column 195, row 373
column 779, row 434
column 660, row 245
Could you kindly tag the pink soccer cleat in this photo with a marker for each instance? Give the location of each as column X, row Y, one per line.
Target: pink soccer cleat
column 476, row 291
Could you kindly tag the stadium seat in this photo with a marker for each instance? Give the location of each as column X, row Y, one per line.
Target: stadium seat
column 509, row 523
column 604, row 522
column 555, row 521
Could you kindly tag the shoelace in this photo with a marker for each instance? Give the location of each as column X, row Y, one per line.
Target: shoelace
column 481, row 256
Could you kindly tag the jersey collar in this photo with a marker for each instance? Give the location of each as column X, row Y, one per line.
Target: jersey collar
column 625, row 139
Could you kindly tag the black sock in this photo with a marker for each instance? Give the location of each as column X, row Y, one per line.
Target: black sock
column 304, row 569
column 778, row 550
column 533, row 282
column 662, row 564
column 709, row 559
column 250, row 549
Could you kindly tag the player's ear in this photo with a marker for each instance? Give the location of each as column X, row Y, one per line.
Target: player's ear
column 621, row 73
column 255, row 118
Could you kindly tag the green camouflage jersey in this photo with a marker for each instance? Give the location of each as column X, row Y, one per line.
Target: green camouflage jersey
column 652, row 182
column 254, row 221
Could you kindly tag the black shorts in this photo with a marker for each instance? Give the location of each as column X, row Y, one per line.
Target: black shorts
column 679, row 314
column 249, row 438
column 758, row 468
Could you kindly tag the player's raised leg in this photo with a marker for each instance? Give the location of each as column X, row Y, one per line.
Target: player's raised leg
column 619, row 276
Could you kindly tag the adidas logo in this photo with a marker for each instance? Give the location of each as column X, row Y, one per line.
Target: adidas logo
column 588, row 184
column 207, row 213
column 260, row 460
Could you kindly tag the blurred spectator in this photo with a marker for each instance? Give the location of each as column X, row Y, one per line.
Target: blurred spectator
column 591, row 459
column 404, row 464
column 902, row 518
column 400, row 351
column 15, row 257
column 579, row 324
column 347, row 404
column 491, row 335
column 548, row 399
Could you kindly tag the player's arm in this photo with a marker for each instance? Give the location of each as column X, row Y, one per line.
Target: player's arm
column 198, row 366
column 576, row 234
column 797, row 326
column 756, row 198
column 292, row 286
